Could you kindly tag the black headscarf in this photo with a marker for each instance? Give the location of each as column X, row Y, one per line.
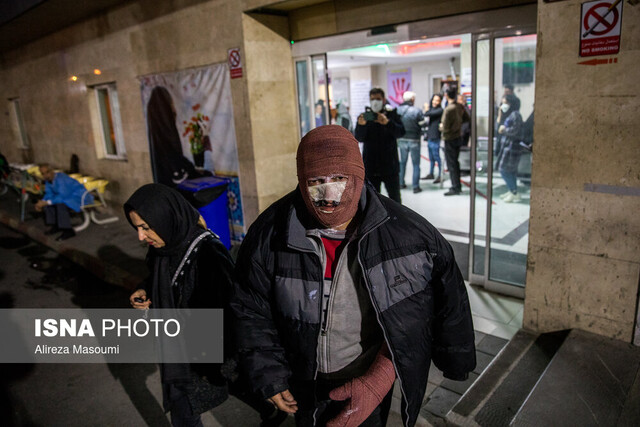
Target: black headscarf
column 176, row 222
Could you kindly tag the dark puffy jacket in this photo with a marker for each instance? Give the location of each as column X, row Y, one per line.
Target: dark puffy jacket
column 409, row 270
column 380, row 152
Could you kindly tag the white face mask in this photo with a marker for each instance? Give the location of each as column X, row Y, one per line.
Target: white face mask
column 504, row 108
column 376, row 105
column 328, row 192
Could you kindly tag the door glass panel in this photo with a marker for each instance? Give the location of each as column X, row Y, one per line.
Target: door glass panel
column 319, row 87
column 302, row 83
column 513, row 135
column 482, row 117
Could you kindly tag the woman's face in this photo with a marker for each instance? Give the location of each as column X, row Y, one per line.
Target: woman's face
column 145, row 232
column 436, row 101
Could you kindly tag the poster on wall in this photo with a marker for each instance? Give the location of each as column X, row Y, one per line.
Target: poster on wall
column 398, row 82
column 191, row 132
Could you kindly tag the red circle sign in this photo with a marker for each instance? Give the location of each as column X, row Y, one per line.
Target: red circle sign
column 603, row 26
column 234, row 58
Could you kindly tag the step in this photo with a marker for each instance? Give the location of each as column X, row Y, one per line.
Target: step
column 592, row 380
column 496, row 397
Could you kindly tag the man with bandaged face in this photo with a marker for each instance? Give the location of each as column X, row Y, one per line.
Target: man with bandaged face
column 341, row 291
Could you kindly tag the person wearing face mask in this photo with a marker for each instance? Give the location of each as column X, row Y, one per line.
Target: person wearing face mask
column 509, row 136
column 379, row 130
column 340, row 290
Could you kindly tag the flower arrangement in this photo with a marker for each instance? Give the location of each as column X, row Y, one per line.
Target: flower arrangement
column 196, row 131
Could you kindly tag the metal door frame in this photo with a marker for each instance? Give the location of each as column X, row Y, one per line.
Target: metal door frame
column 477, row 279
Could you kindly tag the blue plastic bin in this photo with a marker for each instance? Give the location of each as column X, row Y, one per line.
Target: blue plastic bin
column 209, row 196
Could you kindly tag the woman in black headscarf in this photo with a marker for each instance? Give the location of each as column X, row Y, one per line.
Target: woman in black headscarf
column 190, row 268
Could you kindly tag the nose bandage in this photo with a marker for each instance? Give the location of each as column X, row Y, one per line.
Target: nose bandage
column 331, row 191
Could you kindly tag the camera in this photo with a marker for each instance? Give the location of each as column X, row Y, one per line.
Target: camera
column 138, row 299
column 369, row 115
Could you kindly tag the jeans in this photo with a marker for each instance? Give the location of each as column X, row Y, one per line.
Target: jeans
column 57, row 215
column 511, row 181
column 451, row 153
column 434, row 155
column 182, row 415
column 391, row 183
column 410, row 146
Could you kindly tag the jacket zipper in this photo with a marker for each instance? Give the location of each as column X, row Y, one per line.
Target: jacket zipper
column 377, row 311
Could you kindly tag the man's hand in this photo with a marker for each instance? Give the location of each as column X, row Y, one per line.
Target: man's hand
column 382, row 119
column 501, row 129
column 361, row 120
column 40, row 205
column 285, row 402
column 142, row 294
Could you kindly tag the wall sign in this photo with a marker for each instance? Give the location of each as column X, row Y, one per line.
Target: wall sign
column 600, row 27
column 235, row 63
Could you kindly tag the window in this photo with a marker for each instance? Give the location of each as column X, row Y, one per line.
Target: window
column 110, row 123
column 23, row 141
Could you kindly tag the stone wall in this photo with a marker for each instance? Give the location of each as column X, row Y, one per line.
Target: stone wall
column 584, row 246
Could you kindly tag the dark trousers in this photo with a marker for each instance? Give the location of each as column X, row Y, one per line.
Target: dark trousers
column 451, row 153
column 391, row 184
column 327, row 409
column 57, row 215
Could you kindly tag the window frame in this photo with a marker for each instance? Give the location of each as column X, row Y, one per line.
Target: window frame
column 18, row 123
column 114, row 106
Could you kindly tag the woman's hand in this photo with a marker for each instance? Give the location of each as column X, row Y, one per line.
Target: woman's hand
column 501, row 129
column 142, row 294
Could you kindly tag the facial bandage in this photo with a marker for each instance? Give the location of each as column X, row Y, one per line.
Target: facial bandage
column 331, row 191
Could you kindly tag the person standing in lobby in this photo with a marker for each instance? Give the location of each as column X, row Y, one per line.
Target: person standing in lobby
column 452, row 119
column 412, row 119
column 434, row 114
column 378, row 129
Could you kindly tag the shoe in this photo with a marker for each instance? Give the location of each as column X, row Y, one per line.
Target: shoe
column 417, row 190
column 403, row 186
column 512, row 198
column 52, row 230
column 437, row 180
column 505, row 195
column 430, row 176
column 66, row 234
column 452, row 192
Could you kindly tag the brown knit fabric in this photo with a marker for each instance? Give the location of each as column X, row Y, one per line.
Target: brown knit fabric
column 329, row 150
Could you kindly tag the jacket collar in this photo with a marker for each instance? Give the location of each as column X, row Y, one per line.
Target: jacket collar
column 371, row 213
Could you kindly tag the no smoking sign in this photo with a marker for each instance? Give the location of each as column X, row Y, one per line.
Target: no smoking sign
column 600, row 27
column 235, row 63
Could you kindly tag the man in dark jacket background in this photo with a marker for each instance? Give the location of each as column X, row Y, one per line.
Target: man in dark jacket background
column 454, row 116
column 340, row 290
column 379, row 130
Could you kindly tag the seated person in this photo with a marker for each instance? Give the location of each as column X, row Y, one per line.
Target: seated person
column 61, row 192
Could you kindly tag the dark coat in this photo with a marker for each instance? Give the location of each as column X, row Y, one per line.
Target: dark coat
column 410, row 274
column 434, row 115
column 380, row 153
column 205, row 280
column 510, row 150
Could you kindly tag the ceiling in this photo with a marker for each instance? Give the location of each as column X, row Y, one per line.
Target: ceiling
column 396, row 53
column 23, row 21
